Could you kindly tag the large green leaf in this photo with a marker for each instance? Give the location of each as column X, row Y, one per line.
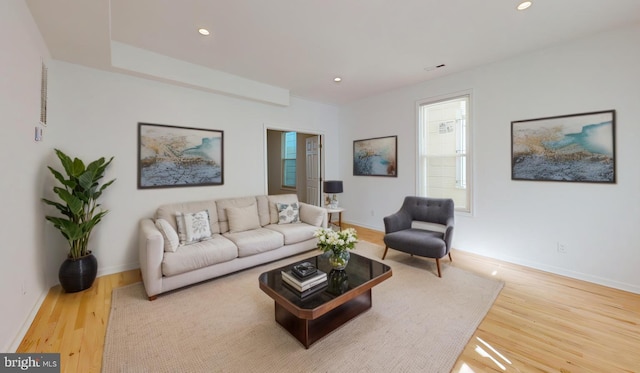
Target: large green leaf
column 85, row 180
column 77, row 167
column 68, row 182
column 75, row 204
column 63, row 208
column 104, row 186
column 70, row 230
column 65, row 160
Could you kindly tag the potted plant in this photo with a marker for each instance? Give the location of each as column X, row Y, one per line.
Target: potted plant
column 337, row 245
column 79, row 192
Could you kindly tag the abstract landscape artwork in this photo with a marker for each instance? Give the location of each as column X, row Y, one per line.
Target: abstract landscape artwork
column 376, row 157
column 171, row 156
column 573, row 148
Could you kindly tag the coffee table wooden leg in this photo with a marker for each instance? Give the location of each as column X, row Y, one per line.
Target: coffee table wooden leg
column 310, row 331
column 297, row 327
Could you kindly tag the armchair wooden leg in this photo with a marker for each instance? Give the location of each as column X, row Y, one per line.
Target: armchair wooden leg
column 152, row 298
column 438, row 265
column 451, row 260
column 385, row 251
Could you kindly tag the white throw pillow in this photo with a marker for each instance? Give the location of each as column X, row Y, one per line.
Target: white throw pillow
column 193, row 227
column 243, row 218
column 171, row 240
column 288, row 213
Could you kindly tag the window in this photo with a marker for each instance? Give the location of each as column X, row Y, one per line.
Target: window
column 289, row 159
column 443, row 150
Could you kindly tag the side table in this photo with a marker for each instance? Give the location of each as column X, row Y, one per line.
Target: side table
column 330, row 212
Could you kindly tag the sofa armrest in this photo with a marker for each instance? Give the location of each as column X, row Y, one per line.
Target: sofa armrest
column 313, row 215
column 151, row 253
column 448, row 233
column 397, row 222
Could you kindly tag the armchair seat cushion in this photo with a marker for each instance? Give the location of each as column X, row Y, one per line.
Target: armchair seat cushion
column 418, row 242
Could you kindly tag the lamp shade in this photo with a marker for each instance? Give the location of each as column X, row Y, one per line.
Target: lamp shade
column 333, row 186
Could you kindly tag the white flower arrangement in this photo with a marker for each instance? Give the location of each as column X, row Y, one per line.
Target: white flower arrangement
column 336, row 242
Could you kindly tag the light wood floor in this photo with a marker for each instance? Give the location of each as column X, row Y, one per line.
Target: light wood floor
column 539, row 323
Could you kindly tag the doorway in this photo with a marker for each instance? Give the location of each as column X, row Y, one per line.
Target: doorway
column 294, row 164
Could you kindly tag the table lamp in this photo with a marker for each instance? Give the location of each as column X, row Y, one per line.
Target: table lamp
column 332, row 187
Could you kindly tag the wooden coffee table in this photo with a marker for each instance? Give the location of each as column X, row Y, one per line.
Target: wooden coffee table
column 347, row 295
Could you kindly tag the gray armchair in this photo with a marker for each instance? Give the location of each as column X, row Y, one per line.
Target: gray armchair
column 423, row 226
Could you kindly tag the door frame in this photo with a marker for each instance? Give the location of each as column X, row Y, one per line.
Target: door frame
column 273, row 127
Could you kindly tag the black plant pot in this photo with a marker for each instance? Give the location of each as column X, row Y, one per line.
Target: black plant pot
column 78, row 274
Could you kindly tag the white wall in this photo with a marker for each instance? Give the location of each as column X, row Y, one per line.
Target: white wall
column 22, row 280
column 95, row 113
column 522, row 221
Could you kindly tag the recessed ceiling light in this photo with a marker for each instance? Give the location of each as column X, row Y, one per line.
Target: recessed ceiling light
column 524, row 5
column 203, row 31
column 337, row 79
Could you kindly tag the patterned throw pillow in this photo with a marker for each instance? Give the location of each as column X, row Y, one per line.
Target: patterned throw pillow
column 193, row 227
column 288, row 213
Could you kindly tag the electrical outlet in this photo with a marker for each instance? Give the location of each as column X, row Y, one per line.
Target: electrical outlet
column 562, row 248
column 373, row 213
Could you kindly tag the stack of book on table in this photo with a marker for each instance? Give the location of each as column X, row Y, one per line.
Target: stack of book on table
column 305, row 279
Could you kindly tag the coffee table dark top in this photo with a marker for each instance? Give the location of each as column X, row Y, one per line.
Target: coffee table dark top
column 360, row 276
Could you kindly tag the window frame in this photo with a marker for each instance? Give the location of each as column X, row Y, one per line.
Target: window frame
column 469, row 209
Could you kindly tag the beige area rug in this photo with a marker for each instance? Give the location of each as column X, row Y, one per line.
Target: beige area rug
column 418, row 323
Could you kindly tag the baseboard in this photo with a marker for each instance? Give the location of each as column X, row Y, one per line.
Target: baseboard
column 103, row 271
column 564, row 272
column 543, row 267
column 364, row 226
column 588, row 278
column 27, row 323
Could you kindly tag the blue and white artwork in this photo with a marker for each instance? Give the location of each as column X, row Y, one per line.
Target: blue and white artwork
column 375, row 157
column 171, row 156
column 577, row 147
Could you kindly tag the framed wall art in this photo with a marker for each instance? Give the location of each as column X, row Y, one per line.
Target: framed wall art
column 572, row 148
column 376, row 157
column 172, row 156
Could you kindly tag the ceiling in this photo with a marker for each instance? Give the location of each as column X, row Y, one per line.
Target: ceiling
column 301, row 45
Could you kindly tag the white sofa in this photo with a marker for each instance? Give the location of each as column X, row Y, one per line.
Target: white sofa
column 241, row 233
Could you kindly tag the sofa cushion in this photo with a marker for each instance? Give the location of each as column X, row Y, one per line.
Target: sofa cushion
column 288, row 213
column 256, row 241
column 243, row 218
column 223, row 204
column 279, row 198
column 170, row 236
column 193, row 226
column 198, row 255
column 263, row 210
column 168, row 212
column 313, row 215
column 295, row 232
